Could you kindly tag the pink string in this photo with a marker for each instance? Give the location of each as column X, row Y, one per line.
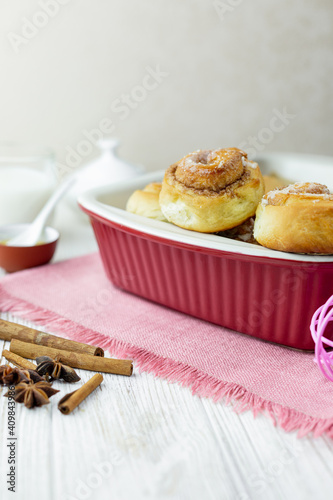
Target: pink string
column 319, row 321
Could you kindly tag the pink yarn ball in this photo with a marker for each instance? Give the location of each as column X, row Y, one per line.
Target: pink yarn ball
column 319, row 321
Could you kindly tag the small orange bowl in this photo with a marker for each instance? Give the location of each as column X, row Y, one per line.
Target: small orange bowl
column 18, row 258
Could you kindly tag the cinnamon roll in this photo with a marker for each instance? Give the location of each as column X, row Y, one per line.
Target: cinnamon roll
column 211, row 190
column 298, row 219
column 145, row 202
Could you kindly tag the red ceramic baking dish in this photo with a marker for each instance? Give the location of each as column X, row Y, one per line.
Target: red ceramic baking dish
column 260, row 292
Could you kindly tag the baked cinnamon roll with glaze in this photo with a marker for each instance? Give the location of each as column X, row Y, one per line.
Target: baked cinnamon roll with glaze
column 211, row 190
column 298, row 219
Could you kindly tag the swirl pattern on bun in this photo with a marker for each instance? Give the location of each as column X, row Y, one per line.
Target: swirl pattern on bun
column 211, row 190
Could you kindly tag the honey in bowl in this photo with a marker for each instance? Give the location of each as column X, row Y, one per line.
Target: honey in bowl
column 4, row 242
column 15, row 258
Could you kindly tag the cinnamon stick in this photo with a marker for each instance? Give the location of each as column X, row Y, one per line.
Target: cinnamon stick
column 74, row 359
column 18, row 360
column 9, row 330
column 69, row 402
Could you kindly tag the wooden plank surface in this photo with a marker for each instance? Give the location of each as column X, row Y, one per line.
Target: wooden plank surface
column 144, row 438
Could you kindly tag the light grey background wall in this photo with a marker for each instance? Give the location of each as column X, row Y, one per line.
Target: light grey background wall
column 167, row 76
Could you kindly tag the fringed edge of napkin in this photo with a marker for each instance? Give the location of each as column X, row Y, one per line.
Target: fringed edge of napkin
column 200, row 383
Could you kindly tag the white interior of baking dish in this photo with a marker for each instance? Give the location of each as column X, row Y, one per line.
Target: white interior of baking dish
column 109, row 202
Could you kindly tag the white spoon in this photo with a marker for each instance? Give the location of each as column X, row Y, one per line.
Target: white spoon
column 31, row 235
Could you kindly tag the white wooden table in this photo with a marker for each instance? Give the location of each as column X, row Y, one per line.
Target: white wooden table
column 144, row 438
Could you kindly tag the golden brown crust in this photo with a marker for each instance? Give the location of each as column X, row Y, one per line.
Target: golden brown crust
column 297, row 219
column 213, row 170
column 145, row 202
column 214, row 196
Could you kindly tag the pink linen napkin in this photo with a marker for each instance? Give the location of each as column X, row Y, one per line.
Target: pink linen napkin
column 75, row 299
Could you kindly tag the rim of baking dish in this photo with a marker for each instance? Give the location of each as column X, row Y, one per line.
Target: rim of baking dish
column 91, row 203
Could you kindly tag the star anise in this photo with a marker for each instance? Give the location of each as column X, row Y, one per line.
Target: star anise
column 34, row 376
column 13, row 376
column 33, row 394
column 9, row 375
column 55, row 369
